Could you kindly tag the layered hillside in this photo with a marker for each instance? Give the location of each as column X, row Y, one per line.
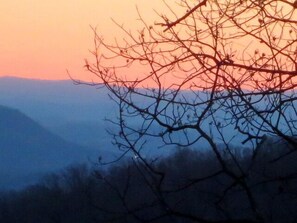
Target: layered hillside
column 27, row 149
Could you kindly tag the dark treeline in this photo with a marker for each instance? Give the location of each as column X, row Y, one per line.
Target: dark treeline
column 192, row 190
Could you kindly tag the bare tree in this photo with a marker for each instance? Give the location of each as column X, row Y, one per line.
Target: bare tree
column 221, row 74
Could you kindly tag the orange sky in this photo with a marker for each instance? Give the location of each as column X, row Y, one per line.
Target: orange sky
column 43, row 38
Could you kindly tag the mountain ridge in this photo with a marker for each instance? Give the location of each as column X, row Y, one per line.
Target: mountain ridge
column 28, row 149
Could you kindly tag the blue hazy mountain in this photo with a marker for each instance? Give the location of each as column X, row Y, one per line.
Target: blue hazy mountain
column 75, row 112
column 28, row 150
column 62, row 112
column 48, row 100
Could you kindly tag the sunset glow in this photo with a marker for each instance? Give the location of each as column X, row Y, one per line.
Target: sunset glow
column 43, row 39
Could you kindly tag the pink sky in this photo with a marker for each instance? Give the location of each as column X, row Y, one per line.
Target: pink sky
column 41, row 39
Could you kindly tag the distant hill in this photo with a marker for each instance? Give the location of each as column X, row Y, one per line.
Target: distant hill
column 28, row 150
column 74, row 112
column 49, row 101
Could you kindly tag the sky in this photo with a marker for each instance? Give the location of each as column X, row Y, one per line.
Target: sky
column 44, row 39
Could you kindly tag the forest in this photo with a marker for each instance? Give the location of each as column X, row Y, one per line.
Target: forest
column 124, row 193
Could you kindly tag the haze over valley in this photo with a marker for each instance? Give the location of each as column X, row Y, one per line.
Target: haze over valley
column 48, row 125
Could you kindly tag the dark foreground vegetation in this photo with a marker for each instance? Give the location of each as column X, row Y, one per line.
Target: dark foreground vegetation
column 194, row 189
